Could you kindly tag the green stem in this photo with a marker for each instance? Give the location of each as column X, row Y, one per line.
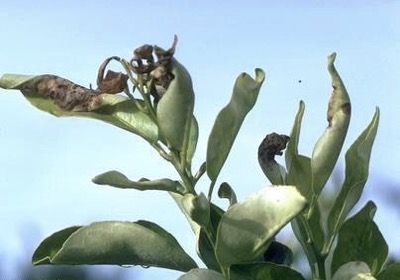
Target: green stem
column 315, row 258
column 210, row 190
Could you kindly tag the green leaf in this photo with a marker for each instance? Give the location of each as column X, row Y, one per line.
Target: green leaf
column 205, row 242
column 298, row 166
column 263, row 271
column 202, row 274
column 230, row 119
column 278, row 253
column 194, row 136
column 117, row 179
column 275, row 173
column 114, row 109
column 226, row 191
column 357, row 165
column 389, row 273
column 292, row 146
column 122, row 243
column 353, row 271
column 197, row 208
column 329, row 145
column 359, row 239
column 175, row 109
column 247, row 228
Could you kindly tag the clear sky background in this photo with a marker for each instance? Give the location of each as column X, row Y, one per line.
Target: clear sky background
column 46, row 163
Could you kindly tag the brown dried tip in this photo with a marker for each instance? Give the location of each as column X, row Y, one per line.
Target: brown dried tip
column 113, row 82
column 272, row 145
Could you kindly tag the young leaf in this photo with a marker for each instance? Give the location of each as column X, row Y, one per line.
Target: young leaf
column 117, row 179
column 197, row 207
column 230, row 119
column 202, row 274
column 175, row 109
column 263, row 271
column 359, row 239
column 193, row 137
column 247, row 228
column 329, row 145
column 44, row 93
column 122, row 243
column 298, row 166
column 357, row 165
column 292, row 147
column 226, row 191
column 205, row 242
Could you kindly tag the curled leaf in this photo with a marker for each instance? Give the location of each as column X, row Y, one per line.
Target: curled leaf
column 272, row 145
column 117, row 179
column 226, row 191
column 329, row 145
column 113, row 82
column 229, row 120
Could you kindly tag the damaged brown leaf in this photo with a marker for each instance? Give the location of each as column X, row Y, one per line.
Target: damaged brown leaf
column 65, row 94
column 272, row 145
column 113, row 82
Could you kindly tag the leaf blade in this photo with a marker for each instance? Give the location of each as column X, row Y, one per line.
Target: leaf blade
column 327, row 149
column 248, row 227
column 359, row 239
column 357, row 165
column 229, row 120
column 123, row 243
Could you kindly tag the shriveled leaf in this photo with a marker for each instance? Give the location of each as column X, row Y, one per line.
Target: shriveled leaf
column 175, row 109
column 247, row 228
column 122, row 243
column 359, row 239
column 263, row 271
column 389, row 273
column 226, row 191
column 230, row 119
column 63, row 98
column 202, row 274
column 357, row 165
column 329, row 145
column 117, row 179
column 271, row 146
column 353, row 271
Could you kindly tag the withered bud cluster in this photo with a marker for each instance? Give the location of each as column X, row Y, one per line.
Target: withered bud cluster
column 155, row 73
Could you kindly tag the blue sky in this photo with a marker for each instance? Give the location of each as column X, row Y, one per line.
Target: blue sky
column 46, row 163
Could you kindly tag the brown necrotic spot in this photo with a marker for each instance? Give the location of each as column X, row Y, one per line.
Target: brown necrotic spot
column 64, row 93
column 272, row 145
column 346, row 108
